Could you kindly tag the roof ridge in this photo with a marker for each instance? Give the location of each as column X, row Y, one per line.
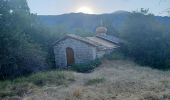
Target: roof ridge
column 78, row 38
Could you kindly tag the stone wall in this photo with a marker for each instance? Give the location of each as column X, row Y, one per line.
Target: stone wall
column 83, row 52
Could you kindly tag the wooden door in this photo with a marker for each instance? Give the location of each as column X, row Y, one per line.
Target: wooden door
column 70, row 56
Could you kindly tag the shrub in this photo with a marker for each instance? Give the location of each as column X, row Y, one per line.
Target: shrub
column 86, row 68
column 115, row 55
column 147, row 40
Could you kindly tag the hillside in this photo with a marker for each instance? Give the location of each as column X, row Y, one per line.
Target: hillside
column 113, row 80
column 86, row 22
column 41, row 56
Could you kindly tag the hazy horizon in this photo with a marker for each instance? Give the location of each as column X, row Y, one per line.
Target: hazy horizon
column 56, row 7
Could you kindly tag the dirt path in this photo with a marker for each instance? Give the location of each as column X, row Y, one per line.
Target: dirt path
column 123, row 80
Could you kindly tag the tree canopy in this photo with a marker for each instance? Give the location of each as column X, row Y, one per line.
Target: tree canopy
column 19, row 54
column 147, row 40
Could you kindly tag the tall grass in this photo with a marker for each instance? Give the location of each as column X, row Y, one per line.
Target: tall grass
column 95, row 81
column 25, row 85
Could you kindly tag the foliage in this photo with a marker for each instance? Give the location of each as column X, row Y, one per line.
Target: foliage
column 147, row 40
column 111, row 29
column 87, row 67
column 26, row 44
column 23, row 47
column 115, row 55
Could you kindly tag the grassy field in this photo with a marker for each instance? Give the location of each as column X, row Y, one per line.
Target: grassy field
column 19, row 88
column 112, row 80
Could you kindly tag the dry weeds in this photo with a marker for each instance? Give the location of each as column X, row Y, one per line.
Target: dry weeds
column 124, row 80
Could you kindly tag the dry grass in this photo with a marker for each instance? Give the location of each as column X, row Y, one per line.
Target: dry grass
column 77, row 92
column 33, row 84
column 95, row 81
column 123, row 80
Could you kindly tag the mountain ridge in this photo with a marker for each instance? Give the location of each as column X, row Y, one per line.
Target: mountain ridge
column 89, row 22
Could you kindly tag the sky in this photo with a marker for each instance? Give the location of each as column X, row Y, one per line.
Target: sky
column 57, row 7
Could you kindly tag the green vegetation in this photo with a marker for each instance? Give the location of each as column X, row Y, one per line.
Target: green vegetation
column 115, row 55
column 86, row 68
column 95, row 81
column 47, row 78
column 27, row 46
column 19, row 53
column 147, row 40
column 27, row 85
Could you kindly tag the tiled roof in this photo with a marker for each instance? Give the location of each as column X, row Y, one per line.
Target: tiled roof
column 78, row 38
column 110, row 38
column 104, row 43
column 100, row 42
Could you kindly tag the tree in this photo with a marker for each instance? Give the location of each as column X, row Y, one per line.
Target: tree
column 147, row 40
column 19, row 54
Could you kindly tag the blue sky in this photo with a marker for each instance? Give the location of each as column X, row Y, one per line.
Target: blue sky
column 57, row 7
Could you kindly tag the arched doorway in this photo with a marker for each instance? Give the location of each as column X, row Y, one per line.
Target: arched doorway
column 70, row 56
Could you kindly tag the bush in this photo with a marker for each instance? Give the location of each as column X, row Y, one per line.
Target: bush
column 86, row 68
column 147, row 41
column 115, row 55
column 20, row 51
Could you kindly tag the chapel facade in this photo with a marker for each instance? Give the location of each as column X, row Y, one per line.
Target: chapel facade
column 73, row 49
